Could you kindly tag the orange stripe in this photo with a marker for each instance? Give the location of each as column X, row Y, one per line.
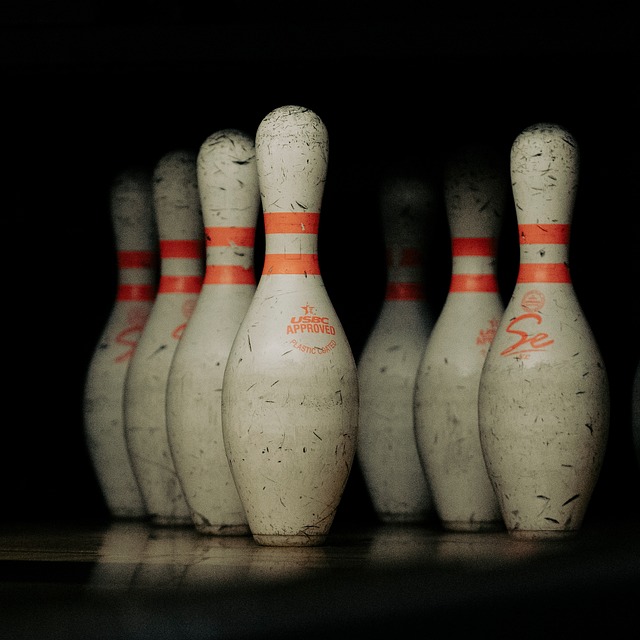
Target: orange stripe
column 554, row 272
column 228, row 274
column 181, row 249
column 291, row 222
column 180, row 284
column 544, row 233
column 136, row 259
column 409, row 257
column 135, row 292
column 473, row 282
column 300, row 263
column 473, row 246
column 404, row 291
column 226, row 236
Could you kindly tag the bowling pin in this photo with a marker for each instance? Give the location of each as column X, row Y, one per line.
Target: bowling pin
column 136, row 243
column 181, row 233
column 230, row 199
column 290, row 389
column 388, row 364
column 544, row 393
column 446, row 392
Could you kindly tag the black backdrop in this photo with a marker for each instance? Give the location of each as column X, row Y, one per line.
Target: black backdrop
column 87, row 94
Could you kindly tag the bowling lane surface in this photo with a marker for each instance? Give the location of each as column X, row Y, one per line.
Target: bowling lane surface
column 135, row 580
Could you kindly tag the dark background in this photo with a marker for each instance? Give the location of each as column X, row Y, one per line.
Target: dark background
column 91, row 87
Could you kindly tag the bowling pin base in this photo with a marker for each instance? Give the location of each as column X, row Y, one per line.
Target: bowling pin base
column 403, row 518
column 223, row 530
column 542, row 534
column 473, row 527
column 166, row 521
column 123, row 517
column 290, row 541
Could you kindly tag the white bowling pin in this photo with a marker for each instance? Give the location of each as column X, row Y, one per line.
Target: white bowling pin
column 446, row 393
column 290, row 389
column 544, row 392
column 228, row 185
column 388, row 364
column 180, row 229
column 136, row 245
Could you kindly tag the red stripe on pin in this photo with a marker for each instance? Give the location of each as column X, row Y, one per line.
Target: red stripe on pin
column 473, row 247
column 546, row 272
column 136, row 292
column 181, row 249
column 473, row 282
column 180, row 284
column 411, row 257
column 404, row 291
column 544, row 233
column 136, row 259
column 228, row 274
column 291, row 263
column 230, row 236
column 291, row 222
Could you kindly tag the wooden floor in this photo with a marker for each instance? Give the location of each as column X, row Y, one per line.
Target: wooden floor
column 133, row 580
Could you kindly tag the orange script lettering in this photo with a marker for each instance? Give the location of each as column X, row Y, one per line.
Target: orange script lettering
column 536, row 342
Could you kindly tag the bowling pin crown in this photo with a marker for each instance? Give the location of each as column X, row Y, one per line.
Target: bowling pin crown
column 544, row 173
column 227, row 177
column 131, row 202
column 175, row 192
column 292, row 148
column 475, row 190
column 405, row 201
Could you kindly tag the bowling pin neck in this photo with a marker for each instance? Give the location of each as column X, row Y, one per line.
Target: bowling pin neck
column 544, row 253
column 408, row 202
column 230, row 200
column 291, row 243
column 135, row 235
column 474, row 256
column 179, row 220
column 228, row 180
column 407, row 205
column 476, row 190
column 132, row 212
column 404, row 263
column 405, row 271
column 544, row 175
column 475, row 193
column 229, row 255
column 292, row 149
column 176, row 198
column 137, row 275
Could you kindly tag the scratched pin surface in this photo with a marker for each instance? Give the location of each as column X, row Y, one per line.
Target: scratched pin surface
column 389, row 361
column 446, row 392
column 544, row 391
column 136, row 244
column 181, row 234
column 290, row 391
column 228, row 186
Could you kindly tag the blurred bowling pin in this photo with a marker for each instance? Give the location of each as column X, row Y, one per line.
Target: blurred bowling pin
column 290, row 389
column 228, row 185
column 136, row 243
column 389, row 361
column 446, row 393
column 544, row 392
column 179, row 222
